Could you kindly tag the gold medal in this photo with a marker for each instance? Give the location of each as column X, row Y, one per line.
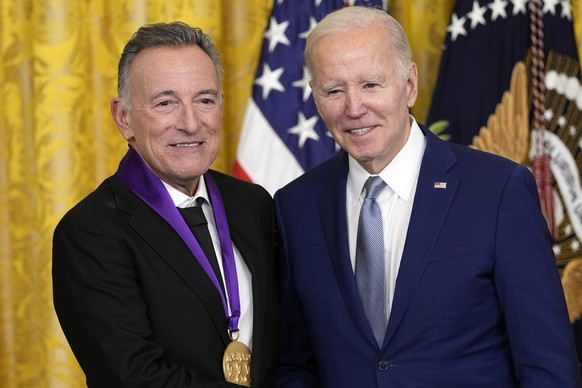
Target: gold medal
column 236, row 362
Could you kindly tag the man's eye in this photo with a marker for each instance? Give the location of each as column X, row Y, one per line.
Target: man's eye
column 164, row 103
column 370, row 85
column 207, row 101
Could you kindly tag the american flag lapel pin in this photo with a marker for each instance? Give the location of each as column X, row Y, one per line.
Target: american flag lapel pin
column 440, row 185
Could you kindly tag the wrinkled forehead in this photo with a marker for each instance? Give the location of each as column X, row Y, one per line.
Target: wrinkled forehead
column 188, row 64
column 360, row 50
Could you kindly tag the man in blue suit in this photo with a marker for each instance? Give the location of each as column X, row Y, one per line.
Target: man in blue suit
column 469, row 292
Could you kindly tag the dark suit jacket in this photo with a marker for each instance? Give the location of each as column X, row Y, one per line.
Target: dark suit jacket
column 135, row 305
column 478, row 300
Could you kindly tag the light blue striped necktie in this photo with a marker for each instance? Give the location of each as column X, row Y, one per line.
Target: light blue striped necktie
column 370, row 266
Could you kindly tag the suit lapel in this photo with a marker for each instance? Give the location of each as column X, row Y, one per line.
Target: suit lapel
column 171, row 248
column 331, row 202
column 238, row 217
column 431, row 205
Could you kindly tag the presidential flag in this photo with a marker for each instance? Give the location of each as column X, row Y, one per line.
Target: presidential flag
column 509, row 83
column 283, row 135
column 484, row 41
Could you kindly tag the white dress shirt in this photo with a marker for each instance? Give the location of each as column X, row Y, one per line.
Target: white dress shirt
column 395, row 201
column 243, row 273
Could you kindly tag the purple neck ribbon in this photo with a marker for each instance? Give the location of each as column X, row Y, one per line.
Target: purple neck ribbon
column 137, row 177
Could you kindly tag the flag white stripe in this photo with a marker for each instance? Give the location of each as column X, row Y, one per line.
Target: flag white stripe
column 261, row 152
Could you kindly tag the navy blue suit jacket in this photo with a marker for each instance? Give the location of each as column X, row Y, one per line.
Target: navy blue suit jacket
column 478, row 300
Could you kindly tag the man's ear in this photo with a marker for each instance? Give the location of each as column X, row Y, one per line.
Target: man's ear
column 121, row 119
column 412, row 85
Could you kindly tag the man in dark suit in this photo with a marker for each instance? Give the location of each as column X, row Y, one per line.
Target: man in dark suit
column 141, row 299
column 408, row 261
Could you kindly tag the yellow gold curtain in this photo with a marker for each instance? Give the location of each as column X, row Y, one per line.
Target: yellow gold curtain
column 57, row 140
column 425, row 23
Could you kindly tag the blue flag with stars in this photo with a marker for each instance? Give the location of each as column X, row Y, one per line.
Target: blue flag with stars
column 484, row 40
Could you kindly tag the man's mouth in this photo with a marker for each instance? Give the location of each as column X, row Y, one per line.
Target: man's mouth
column 194, row 144
column 360, row 131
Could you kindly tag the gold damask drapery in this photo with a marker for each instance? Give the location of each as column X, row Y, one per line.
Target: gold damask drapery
column 58, row 61
column 58, row 141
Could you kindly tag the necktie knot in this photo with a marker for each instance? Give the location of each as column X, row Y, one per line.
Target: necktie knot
column 374, row 186
column 193, row 215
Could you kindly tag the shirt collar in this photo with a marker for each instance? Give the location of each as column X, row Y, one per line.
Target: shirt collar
column 400, row 174
column 182, row 200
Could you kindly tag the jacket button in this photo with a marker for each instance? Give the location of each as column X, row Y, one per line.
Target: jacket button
column 383, row 365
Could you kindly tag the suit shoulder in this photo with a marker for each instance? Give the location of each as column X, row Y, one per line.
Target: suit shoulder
column 97, row 205
column 466, row 152
column 318, row 175
column 95, row 197
column 231, row 186
column 481, row 162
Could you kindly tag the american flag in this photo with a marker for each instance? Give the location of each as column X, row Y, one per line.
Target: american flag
column 283, row 135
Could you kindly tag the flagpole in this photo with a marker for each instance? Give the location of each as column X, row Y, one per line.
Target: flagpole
column 541, row 162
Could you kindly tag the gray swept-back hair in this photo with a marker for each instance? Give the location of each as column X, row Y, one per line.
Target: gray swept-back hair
column 175, row 34
column 346, row 19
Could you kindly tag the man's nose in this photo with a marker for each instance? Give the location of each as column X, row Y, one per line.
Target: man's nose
column 188, row 119
column 354, row 102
